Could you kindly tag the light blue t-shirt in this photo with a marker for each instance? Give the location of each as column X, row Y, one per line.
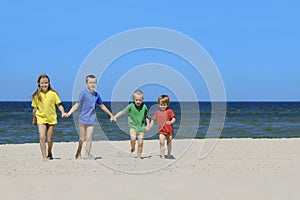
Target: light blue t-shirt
column 88, row 102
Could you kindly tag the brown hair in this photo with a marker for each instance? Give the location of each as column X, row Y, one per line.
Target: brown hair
column 38, row 90
column 89, row 76
column 163, row 99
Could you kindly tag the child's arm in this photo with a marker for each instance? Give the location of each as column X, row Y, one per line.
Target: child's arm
column 149, row 126
column 119, row 114
column 147, row 120
column 61, row 109
column 173, row 120
column 34, row 122
column 105, row 109
column 73, row 109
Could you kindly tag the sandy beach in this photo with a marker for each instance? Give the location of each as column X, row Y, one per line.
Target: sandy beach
column 232, row 169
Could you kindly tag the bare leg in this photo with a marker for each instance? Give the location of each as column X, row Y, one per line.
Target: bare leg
column 169, row 145
column 140, row 145
column 82, row 131
column 42, row 132
column 132, row 141
column 162, row 138
column 50, row 129
column 78, row 152
column 89, row 132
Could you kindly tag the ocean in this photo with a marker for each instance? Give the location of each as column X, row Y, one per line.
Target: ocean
column 243, row 120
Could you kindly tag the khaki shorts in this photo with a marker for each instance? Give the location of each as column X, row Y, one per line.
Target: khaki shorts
column 134, row 132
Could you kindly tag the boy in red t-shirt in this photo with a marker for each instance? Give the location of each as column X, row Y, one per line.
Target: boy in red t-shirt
column 165, row 118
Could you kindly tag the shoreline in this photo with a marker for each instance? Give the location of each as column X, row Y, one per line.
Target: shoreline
column 195, row 139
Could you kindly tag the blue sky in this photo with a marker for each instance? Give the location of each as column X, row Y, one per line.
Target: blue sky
column 255, row 44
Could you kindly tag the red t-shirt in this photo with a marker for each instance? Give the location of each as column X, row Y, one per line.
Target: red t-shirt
column 161, row 116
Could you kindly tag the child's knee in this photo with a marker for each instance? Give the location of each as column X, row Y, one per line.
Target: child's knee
column 140, row 143
column 88, row 138
column 162, row 143
column 49, row 140
column 132, row 138
column 42, row 138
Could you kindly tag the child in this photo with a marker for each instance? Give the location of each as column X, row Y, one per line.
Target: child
column 137, row 112
column 165, row 118
column 88, row 99
column 44, row 100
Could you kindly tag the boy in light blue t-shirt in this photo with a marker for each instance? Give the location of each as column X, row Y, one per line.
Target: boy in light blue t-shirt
column 87, row 117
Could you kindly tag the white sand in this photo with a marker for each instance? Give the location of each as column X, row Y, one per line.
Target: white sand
column 234, row 169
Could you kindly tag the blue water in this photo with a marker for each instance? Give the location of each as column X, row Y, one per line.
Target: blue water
column 243, row 120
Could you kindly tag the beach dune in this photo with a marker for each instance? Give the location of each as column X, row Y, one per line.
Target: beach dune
column 233, row 169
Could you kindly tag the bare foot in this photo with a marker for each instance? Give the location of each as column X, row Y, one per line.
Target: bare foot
column 77, row 155
column 45, row 159
column 50, row 156
column 130, row 152
column 139, row 156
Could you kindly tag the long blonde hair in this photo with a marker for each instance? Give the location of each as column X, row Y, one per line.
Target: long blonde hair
column 38, row 90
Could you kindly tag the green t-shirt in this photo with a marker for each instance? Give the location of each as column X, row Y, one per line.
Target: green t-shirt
column 136, row 116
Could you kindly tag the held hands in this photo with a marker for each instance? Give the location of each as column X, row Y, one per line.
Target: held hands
column 65, row 115
column 113, row 119
column 147, row 128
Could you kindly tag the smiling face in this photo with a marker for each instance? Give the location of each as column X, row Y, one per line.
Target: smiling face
column 163, row 106
column 138, row 99
column 44, row 84
column 91, row 84
column 163, row 102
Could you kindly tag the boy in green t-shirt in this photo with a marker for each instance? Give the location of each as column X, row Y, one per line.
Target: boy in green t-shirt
column 137, row 115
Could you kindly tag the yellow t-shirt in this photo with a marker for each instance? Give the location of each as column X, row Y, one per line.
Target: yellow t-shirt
column 46, row 110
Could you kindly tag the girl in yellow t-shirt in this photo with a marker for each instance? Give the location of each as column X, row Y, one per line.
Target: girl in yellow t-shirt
column 44, row 100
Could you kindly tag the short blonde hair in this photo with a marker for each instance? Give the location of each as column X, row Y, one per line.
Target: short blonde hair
column 138, row 93
column 163, row 99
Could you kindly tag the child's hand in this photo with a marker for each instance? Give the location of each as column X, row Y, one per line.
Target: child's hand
column 147, row 128
column 65, row 115
column 34, row 122
column 113, row 119
column 168, row 122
